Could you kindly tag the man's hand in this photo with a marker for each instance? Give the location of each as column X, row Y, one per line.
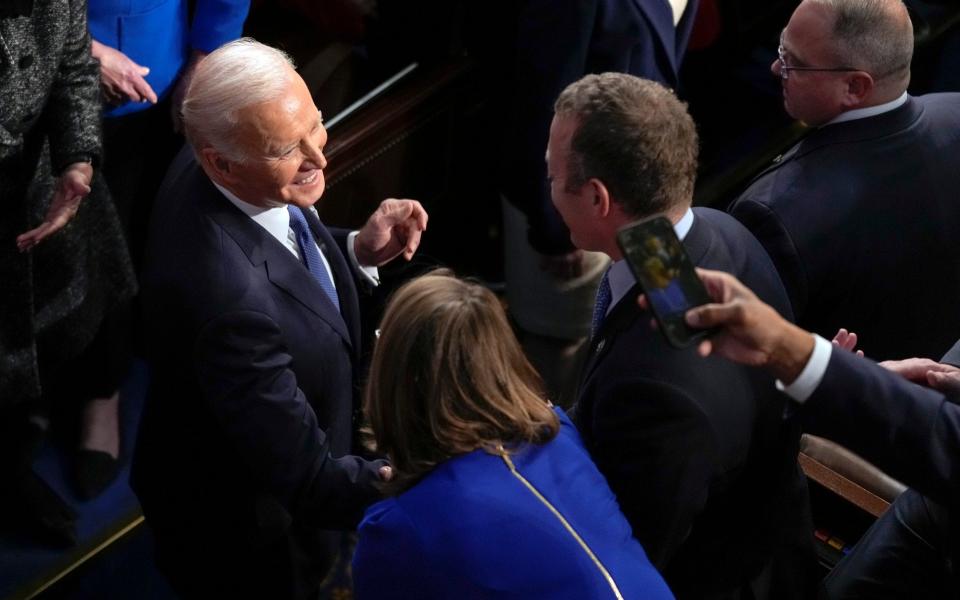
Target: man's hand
column 180, row 90
column 923, row 371
column 121, row 79
column 72, row 187
column 563, row 266
column 394, row 228
column 750, row 332
column 847, row 340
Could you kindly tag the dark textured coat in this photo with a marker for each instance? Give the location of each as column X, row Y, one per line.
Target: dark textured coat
column 52, row 299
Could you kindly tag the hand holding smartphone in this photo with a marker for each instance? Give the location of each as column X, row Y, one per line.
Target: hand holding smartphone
column 668, row 278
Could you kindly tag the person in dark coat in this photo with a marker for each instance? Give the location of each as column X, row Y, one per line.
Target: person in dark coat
column 63, row 259
column 246, row 465
column 697, row 452
column 861, row 217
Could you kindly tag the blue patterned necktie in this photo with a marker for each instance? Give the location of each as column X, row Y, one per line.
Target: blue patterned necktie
column 604, row 297
column 310, row 254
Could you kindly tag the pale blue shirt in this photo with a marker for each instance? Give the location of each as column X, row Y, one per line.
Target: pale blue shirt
column 276, row 220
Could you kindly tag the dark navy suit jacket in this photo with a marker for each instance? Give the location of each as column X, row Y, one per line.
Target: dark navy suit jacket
column 558, row 42
column 910, row 432
column 470, row 529
column 696, row 449
column 862, row 221
column 243, row 457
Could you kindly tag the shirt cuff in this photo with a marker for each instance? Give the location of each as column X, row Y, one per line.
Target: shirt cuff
column 371, row 275
column 812, row 374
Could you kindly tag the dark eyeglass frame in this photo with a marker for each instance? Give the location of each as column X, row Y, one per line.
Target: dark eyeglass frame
column 785, row 69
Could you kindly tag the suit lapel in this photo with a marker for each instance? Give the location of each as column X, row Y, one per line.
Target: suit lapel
column 620, row 318
column 660, row 16
column 282, row 268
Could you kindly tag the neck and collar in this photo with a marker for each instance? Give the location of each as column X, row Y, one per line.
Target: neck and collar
column 868, row 111
column 621, row 278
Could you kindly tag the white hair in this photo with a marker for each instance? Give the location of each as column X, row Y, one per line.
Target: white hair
column 236, row 75
column 873, row 35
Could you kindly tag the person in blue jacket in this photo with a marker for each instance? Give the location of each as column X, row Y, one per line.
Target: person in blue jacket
column 493, row 493
column 147, row 50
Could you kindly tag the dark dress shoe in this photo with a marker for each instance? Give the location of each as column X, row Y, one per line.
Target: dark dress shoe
column 95, row 471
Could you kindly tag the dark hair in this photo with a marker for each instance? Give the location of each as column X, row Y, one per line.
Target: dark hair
column 633, row 135
column 448, row 377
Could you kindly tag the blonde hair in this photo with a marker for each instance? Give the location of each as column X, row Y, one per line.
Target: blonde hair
column 448, row 377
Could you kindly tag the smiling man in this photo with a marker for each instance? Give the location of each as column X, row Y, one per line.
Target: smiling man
column 244, row 458
column 861, row 217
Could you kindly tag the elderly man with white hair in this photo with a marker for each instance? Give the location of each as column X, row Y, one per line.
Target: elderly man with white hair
column 861, row 217
column 244, row 463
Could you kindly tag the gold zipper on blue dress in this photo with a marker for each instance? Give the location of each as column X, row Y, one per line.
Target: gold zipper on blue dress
column 566, row 524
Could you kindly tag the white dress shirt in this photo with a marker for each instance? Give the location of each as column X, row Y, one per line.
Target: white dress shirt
column 678, row 6
column 870, row 111
column 276, row 220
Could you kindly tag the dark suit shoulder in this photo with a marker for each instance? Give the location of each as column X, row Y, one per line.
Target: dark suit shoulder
column 719, row 241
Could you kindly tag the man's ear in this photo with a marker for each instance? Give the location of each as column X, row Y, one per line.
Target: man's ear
column 600, row 197
column 859, row 86
column 216, row 166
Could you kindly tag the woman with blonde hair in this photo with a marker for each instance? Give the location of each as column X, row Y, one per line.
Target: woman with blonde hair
column 493, row 493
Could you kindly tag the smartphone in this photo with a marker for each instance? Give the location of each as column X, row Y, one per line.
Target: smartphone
column 664, row 271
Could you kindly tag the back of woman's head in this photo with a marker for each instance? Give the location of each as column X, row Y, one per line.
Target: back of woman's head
column 448, row 377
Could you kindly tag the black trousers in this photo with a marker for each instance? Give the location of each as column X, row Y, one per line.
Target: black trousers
column 909, row 552
column 138, row 149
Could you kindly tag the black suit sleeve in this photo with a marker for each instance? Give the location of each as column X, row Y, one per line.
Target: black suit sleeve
column 910, row 432
column 248, row 385
column 657, row 450
column 769, row 230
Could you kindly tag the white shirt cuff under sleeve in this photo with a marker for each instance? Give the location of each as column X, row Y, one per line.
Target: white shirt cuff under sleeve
column 369, row 274
column 812, row 374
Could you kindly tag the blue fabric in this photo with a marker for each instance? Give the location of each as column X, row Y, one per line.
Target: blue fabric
column 602, row 305
column 311, row 254
column 158, row 34
column 470, row 529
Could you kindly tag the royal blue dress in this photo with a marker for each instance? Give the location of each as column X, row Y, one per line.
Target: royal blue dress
column 473, row 529
column 160, row 35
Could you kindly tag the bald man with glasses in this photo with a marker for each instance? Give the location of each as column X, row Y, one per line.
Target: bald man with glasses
column 861, row 217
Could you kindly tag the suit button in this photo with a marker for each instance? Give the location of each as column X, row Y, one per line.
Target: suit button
column 26, row 61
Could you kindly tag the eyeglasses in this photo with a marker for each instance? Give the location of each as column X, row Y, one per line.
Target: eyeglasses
column 785, row 68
